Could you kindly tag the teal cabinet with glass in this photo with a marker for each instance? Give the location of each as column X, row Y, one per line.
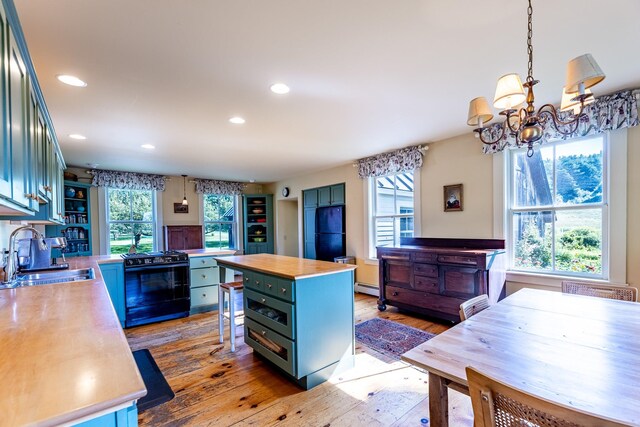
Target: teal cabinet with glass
column 258, row 224
column 77, row 220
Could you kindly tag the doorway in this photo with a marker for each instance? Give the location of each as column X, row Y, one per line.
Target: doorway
column 287, row 228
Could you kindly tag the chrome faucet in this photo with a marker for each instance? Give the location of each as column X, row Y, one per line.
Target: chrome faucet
column 11, row 268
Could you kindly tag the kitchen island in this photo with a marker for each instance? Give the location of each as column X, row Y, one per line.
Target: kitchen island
column 64, row 358
column 298, row 313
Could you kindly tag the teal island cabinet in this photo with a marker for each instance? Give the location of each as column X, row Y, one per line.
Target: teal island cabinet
column 299, row 313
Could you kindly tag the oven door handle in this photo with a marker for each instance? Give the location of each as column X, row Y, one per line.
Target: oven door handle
column 153, row 267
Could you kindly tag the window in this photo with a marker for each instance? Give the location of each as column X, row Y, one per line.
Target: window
column 558, row 208
column 130, row 220
column 392, row 209
column 220, row 221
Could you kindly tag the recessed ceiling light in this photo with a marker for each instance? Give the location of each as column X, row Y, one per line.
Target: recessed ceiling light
column 279, row 88
column 237, row 120
column 148, row 146
column 71, row 80
column 77, row 136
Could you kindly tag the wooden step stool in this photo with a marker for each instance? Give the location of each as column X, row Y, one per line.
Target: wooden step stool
column 234, row 289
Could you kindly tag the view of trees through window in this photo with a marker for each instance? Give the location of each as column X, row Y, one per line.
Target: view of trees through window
column 557, row 207
column 393, row 208
column 220, row 221
column 130, row 220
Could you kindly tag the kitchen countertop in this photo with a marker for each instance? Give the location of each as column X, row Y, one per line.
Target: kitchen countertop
column 63, row 354
column 284, row 266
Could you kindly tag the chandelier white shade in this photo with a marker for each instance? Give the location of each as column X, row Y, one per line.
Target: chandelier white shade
column 583, row 72
column 479, row 112
column 509, row 92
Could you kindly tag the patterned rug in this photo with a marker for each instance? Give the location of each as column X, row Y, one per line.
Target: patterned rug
column 389, row 337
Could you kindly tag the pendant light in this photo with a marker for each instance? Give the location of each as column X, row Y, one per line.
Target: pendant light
column 184, row 188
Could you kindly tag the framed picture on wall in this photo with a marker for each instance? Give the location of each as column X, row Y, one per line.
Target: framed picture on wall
column 453, row 198
column 180, row 208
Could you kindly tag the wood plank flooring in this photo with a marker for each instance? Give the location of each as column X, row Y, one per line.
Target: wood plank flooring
column 215, row 387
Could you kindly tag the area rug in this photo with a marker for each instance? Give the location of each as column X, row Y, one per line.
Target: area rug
column 389, row 337
column 158, row 390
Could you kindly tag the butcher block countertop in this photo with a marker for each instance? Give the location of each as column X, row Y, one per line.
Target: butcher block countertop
column 284, row 266
column 63, row 354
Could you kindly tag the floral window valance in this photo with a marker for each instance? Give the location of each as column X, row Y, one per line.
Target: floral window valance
column 127, row 180
column 608, row 112
column 213, row 186
column 402, row 160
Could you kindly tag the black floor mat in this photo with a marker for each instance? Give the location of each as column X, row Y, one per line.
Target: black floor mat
column 158, row 390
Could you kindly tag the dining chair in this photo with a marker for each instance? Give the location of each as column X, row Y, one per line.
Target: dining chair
column 498, row 404
column 473, row 306
column 623, row 293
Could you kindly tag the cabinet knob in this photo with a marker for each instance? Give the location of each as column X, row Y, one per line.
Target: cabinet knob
column 284, row 290
column 264, row 332
column 204, row 276
column 269, row 285
column 263, row 300
column 246, row 279
column 257, row 283
column 203, row 261
column 204, row 295
column 395, row 294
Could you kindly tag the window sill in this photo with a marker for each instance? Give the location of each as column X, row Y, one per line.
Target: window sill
column 538, row 279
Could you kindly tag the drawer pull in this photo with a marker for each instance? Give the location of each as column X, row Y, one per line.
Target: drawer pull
column 204, row 295
column 284, row 290
column 203, row 261
column 395, row 294
column 269, row 285
column 204, row 276
column 263, row 300
column 264, row 332
column 246, row 279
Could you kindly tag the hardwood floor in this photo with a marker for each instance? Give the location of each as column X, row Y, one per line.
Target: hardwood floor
column 215, row 387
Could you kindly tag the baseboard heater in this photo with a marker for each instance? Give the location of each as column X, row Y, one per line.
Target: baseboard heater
column 367, row 288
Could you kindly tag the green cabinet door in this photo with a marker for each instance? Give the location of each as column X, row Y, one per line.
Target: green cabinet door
column 337, row 194
column 18, row 111
column 324, row 196
column 113, row 276
column 310, row 198
column 5, row 142
column 310, row 233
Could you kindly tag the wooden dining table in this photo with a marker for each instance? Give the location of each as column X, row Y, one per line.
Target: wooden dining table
column 578, row 351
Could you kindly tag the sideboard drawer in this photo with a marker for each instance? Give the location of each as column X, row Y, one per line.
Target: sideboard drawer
column 270, row 311
column 427, row 284
column 457, row 259
column 440, row 303
column 271, row 345
column 430, row 270
column 424, row 257
column 202, row 261
column 254, row 281
column 205, row 276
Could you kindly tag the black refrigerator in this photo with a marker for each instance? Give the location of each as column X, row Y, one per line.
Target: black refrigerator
column 330, row 233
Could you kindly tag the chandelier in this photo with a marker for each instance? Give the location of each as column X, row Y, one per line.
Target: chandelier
column 524, row 123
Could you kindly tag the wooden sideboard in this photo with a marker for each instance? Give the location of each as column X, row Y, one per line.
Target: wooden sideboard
column 434, row 276
column 181, row 237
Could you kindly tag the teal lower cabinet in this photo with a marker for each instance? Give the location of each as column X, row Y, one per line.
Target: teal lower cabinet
column 204, row 281
column 113, row 276
column 127, row 417
column 305, row 326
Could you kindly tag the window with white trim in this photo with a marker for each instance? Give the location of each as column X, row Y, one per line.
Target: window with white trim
column 558, row 211
column 220, row 221
column 130, row 216
column 393, row 208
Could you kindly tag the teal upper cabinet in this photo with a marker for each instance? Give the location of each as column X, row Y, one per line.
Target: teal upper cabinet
column 331, row 195
column 31, row 163
column 310, row 198
column 258, row 224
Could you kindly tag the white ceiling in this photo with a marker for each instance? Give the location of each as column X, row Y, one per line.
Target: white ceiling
column 366, row 76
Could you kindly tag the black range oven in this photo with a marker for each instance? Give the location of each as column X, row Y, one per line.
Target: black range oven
column 156, row 287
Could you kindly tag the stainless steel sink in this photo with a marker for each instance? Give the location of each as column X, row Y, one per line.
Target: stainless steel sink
column 35, row 279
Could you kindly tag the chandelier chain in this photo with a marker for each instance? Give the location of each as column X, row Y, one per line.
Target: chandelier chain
column 529, row 42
